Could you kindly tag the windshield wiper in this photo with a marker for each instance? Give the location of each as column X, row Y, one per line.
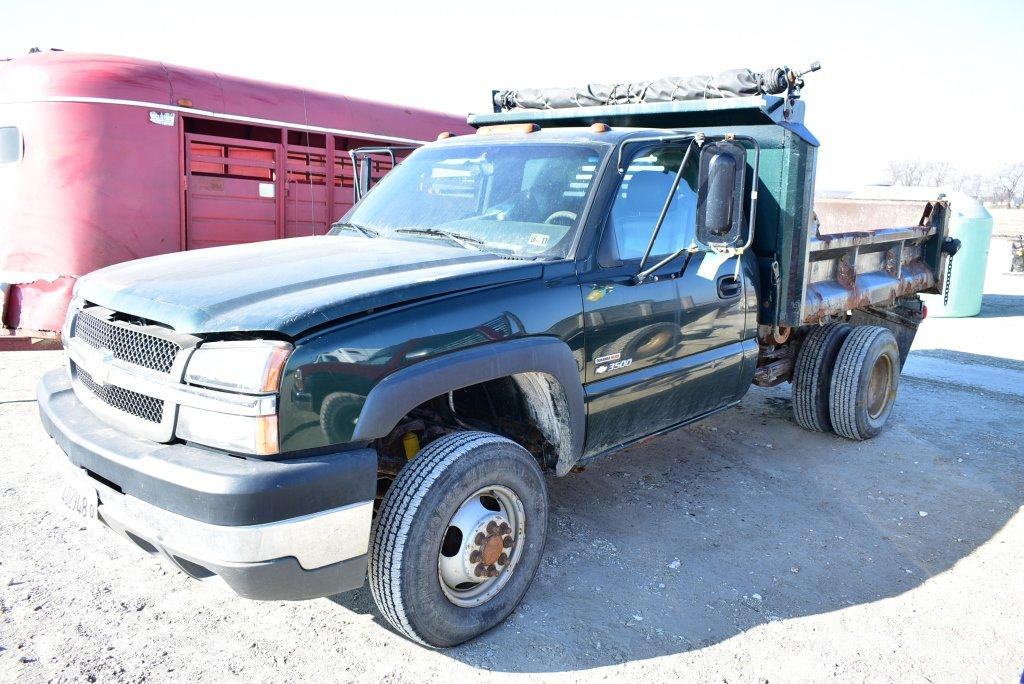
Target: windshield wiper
column 366, row 232
column 462, row 240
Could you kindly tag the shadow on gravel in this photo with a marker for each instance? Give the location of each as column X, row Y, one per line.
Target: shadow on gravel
column 970, row 359
column 710, row 531
column 1001, row 306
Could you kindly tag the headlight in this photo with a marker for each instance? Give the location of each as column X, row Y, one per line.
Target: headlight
column 251, row 367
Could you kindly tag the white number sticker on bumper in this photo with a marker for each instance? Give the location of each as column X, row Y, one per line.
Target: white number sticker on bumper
column 79, row 497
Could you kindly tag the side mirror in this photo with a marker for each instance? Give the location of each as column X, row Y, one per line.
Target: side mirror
column 720, row 190
column 364, row 176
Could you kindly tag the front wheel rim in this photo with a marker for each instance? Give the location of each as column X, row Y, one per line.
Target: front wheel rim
column 482, row 545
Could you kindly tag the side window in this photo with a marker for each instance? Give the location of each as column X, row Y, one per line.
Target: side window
column 642, row 193
column 10, row 145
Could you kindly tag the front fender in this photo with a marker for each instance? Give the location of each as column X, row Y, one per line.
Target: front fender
column 397, row 394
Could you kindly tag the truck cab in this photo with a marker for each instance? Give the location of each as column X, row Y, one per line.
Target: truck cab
column 502, row 307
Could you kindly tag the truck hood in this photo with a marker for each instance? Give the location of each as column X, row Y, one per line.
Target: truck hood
column 293, row 285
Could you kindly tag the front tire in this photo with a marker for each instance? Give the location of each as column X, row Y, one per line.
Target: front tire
column 459, row 538
column 864, row 382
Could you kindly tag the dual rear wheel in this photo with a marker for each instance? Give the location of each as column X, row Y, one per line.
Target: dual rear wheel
column 846, row 379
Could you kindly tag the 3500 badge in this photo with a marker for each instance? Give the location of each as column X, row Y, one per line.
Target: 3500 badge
column 616, row 365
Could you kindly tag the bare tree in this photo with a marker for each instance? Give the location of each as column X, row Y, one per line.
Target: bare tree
column 939, row 174
column 906, row 172
column 1004, row 185
column 1007, row 182
column 973, row 184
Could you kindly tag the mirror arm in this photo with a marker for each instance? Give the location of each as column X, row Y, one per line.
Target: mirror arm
column 357, row 153
column 753, row 190
column 651, row 139
column 640, row 277
column 644, row 275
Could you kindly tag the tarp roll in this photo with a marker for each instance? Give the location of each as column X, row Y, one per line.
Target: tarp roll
column 732, row 83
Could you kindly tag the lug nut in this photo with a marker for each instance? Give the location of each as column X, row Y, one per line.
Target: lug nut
column 503, row 528
column 479, row 539
column 480, row 570
column 503, row 559
column 474, row 557
column 492, row 571
column 492, row 527
column 507, row 542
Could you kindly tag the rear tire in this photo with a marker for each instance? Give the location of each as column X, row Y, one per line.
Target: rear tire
column 812, row 376
column 864, row 382
column 440, row 510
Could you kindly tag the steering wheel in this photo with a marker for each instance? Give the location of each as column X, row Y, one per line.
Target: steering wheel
column 571, row 215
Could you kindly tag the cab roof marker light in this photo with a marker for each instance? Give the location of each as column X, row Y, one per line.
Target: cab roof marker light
column 508, row 128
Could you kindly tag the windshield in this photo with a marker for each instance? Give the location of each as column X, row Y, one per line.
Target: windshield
column 520, row 199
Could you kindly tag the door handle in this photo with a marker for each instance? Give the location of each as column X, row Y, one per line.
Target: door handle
column 728, row 287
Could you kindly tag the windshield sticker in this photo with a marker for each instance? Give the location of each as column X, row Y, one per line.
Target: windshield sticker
column 539, row 239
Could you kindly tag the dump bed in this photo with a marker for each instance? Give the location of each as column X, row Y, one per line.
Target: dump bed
column 867, row 252
column 854, row 254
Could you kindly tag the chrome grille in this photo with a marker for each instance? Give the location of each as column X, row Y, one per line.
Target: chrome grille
column 133, row 403
column 130, row 346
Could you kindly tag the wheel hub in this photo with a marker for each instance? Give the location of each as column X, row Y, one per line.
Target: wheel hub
column 879, row 387
column 479, row 550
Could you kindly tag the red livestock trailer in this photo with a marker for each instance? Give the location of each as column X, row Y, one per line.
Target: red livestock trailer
column 105, row 159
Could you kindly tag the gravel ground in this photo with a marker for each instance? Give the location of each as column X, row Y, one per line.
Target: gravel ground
column 742, row 548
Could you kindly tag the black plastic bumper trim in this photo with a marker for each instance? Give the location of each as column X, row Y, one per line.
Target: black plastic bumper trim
column 285, row 580
column 203, row 484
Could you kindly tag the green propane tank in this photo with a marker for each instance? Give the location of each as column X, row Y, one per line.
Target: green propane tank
column 971, row 224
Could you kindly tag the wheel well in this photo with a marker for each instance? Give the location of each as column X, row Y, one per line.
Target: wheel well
column 529, row 408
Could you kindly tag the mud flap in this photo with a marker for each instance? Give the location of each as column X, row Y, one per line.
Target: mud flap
column 902, row 320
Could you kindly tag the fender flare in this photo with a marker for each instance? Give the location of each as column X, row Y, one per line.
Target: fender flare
column 404, row 390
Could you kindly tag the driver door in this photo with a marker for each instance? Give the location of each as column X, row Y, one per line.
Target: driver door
column 652, row 350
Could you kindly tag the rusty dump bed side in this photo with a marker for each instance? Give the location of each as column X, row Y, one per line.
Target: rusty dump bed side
column 867, row 252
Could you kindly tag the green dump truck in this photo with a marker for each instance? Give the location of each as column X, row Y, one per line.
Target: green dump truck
column 289, row 417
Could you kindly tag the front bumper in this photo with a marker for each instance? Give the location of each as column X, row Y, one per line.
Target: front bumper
column 286, row 529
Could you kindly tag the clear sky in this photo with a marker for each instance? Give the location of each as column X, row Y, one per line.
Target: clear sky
column 935, row 80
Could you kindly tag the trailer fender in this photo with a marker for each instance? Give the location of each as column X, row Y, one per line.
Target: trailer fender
column 543, row 368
